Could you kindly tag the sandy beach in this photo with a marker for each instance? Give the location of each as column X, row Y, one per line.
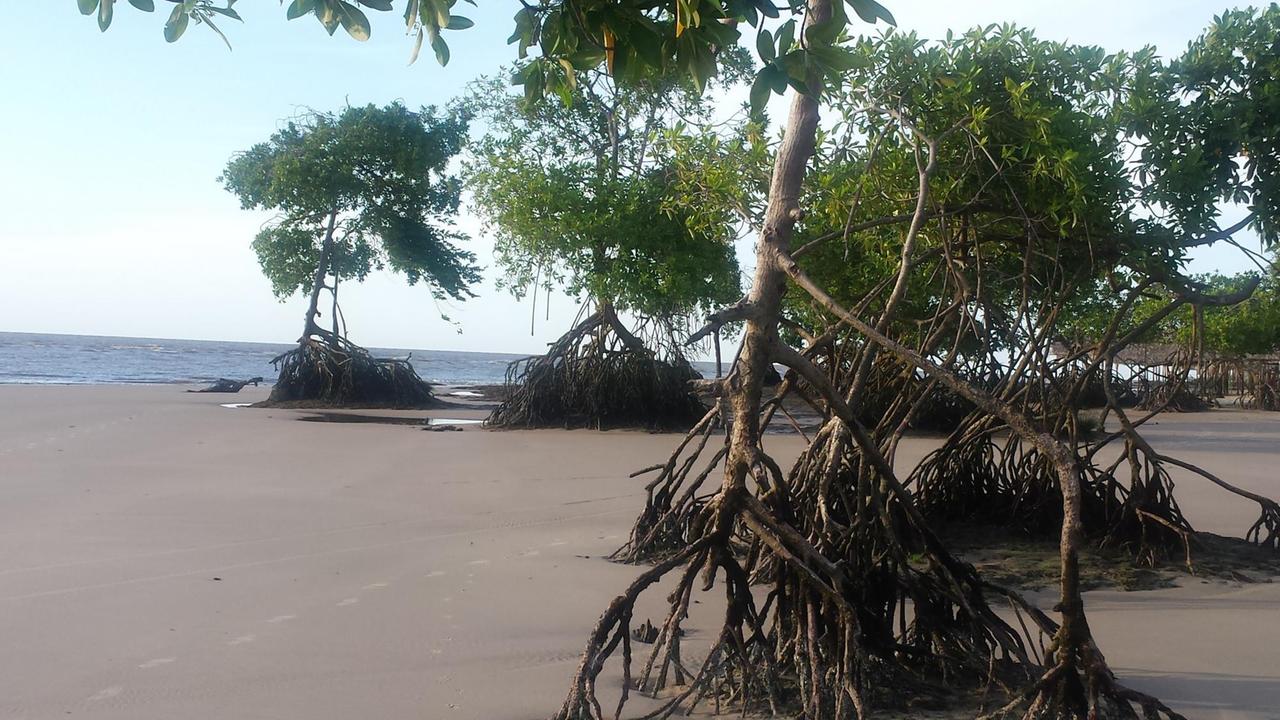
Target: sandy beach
column 166, row 557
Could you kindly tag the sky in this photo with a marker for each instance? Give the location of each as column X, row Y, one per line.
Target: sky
column 112, row 221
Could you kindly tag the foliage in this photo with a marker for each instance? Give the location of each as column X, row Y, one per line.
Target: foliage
column 381, row 174
column 577, row 194
column 1248, row 328
column 1252, row 327
column 1113, row 164
column 184, row 12
column 1207, row 125
column 626, row 38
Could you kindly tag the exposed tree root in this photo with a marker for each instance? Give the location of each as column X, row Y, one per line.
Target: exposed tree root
column 1261, row 389
column 1174, row 397
column 328, row 371
column 227, row 385
column 1009, row 483
column 1079, row 684
column 599, row 375
column 1126, row 503
column 862, row 606
column 894, row 616
column 839, row 598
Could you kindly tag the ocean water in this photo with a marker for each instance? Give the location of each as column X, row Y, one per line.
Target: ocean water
column 86, row 359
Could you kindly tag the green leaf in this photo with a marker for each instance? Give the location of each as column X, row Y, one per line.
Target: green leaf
column 622, row 62
column 227, row 12
column 786, row 37
column 176, row 24
column 353, row 20
column 327, row 14
column 702, row 67
column 551, row 33
column 457, row 22
column 144, row 5
column 764, row 46
column 571, row 78
column 826, row 33
column 761, row 89
column 88, row 7
column 298, row 8
column 410, row 14
column 435, row 12
column 441, row 49
column 526, row 25
column 105, row 9
column 834, row 58
column 870, row 11
column 382, row 5
column 647, row 44
column 777, row 78
column 586, row 59
column 212, row 26
column 766, row 8
column 533, row 79
column 795, row 64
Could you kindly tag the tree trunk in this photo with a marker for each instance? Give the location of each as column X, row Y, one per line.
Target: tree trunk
column 770, row 281
column 609, row 317
column 310, row 327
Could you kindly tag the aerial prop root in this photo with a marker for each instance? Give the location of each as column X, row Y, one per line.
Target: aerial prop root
column 806, row 643
column 326, row 369
column 672, row 503
column 1077, row 681
column 598, row 375
column 974, row 479
column 1079, row 684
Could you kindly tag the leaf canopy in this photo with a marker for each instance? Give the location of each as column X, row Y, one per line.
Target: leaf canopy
column 626, row 38
column 382, row 173
column 579, row 193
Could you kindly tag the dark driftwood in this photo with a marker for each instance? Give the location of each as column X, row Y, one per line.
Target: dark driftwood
column 224, row 385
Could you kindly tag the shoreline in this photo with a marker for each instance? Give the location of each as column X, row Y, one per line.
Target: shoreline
column 167, row 557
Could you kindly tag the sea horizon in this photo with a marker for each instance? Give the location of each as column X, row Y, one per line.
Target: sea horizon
column 72, row 359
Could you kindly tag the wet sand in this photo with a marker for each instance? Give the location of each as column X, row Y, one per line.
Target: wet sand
column 165, row 557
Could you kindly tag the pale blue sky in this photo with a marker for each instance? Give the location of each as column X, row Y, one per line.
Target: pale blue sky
column 113, row 222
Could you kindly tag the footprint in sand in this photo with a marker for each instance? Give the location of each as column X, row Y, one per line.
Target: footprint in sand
column 106, row 693
column 375, row 586
column 157, row 662
column 557, row 543
column 348, row 601
column 478, row 562
column 281, row 618
column 435, row 573
column 242, row 640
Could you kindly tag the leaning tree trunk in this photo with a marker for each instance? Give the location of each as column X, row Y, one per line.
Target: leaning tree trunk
column 326, row 369
column 763, row 313
column 309, row 326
